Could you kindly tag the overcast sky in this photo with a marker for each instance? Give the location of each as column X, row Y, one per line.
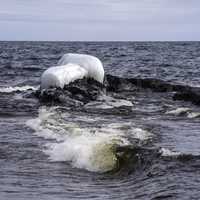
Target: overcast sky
column 133, row 20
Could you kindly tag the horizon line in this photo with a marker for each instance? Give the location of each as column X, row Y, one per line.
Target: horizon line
column 99, row 40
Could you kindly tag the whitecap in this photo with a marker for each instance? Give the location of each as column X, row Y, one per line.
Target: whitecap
column 179, row 111
column 17, row 88
column 168, row 153
column 89, row 147
column 193, row 115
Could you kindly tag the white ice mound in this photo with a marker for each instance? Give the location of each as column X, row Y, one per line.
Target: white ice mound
column 60, row 76
column 72, row 67
column 91, row 64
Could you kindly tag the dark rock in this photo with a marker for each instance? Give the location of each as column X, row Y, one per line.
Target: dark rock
column 117, row 84
column 85, row 90
column 190, row 95
column 114, row 83
column 76, row 93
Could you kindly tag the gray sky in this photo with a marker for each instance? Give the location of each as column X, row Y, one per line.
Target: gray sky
column 100, row 20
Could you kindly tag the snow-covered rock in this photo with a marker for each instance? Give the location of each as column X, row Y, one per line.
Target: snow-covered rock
column 60, row 76
column 91, row 64
column 72, row 67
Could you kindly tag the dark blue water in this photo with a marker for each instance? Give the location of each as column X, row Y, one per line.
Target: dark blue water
column 109, row 150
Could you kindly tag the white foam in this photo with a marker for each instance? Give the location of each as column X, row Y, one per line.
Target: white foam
column 39, row 124
column 187, row 111
column 91, row 148
column 17, row 88
column 91, row 152
column 140, row 134
column 60, row 76
column 168, row 153
column 91, row 64
column 193, row 115
column 178, row 111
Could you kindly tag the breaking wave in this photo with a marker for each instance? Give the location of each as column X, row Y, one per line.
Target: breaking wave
column 94, row 148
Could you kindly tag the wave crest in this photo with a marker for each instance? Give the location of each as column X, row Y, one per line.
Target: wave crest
column 84, row 146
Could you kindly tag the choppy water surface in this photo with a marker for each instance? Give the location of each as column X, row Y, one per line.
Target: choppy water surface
column 132, row 143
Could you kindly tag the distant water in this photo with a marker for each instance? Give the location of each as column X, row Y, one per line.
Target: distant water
column 131, row 143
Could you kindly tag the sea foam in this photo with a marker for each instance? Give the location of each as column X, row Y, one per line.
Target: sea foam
column 178, row 111
column 168, row 153
column 17, row 88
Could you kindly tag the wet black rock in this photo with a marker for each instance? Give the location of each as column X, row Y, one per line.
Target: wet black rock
column 188, row 94
column 118, row 84
column 85, row 90
column 76, row 93
column 114, row 83
column 182, row 92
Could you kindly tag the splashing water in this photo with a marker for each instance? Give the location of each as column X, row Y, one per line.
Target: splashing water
column 93, row 149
